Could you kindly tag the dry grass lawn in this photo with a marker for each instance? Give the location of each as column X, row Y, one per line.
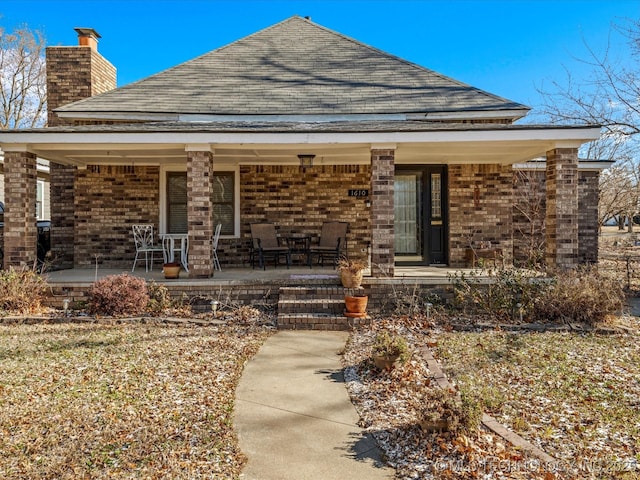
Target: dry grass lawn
column 121, row 400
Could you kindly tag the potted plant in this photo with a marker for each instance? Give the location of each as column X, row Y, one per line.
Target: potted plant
column 356, row 305
column 388, row 349
column 171, row 270
column 351, row 271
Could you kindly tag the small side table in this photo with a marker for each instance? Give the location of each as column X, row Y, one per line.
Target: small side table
column 299, row 244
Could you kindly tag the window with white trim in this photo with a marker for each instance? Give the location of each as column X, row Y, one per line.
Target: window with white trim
column 223, row 200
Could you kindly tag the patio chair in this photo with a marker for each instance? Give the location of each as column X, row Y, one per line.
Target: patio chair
column 216, row 237
column 143, row 239
column 333, row 239
column 265, row 243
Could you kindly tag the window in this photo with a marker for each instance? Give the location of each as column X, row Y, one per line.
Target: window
column 40, row 200
column 223, row 201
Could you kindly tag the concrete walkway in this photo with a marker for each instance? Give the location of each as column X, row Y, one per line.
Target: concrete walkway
column 293, row 414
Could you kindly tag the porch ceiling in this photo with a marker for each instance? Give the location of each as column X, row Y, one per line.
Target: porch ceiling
column 502, row 145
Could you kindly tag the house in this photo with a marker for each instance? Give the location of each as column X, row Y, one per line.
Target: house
column 419, row 164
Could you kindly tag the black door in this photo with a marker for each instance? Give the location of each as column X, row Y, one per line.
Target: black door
column 420, row 215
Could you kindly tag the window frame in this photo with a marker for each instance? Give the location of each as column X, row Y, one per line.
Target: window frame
column 235, row 170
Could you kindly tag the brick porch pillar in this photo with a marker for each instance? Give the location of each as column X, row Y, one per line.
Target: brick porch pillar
column 20, row 231
column 562, row 209
column 199, row 210
column 62, row 180
column 382, row 213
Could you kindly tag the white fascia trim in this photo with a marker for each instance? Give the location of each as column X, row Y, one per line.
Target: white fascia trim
column 567, row 137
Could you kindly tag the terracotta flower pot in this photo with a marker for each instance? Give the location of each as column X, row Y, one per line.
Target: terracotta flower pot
column 171, row 270
column 356, row 306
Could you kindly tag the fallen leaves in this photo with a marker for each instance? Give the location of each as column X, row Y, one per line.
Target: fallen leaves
column 121, row 401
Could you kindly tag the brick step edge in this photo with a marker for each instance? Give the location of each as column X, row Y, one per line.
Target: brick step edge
column 310, row 321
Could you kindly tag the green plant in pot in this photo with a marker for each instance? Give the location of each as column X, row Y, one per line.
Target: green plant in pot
column 388, row 349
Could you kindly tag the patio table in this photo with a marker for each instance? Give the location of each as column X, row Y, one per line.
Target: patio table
column 169, row 241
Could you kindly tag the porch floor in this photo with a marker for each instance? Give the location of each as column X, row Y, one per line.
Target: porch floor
column 230, row 276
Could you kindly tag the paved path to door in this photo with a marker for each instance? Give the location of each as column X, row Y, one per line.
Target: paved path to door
column 293, row 414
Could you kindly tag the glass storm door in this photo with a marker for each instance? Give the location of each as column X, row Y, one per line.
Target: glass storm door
column 420, row 223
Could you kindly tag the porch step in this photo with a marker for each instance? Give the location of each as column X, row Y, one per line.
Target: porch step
column 316, row 307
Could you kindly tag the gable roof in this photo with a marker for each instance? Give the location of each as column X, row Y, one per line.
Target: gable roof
column 294, row 67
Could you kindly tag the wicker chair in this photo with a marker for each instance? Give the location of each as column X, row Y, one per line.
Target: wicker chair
column 333, row 240
column 265, row 243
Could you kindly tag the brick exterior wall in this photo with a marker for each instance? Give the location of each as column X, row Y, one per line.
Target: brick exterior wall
column 382, row 212
column 108, row 201
column 529, row 214
column 75, row 73
column 480, row 209
column 532, row 185
column 299, row 201
column 20, row 231
column 199, row 213
column 62, row 214
column 562, row 205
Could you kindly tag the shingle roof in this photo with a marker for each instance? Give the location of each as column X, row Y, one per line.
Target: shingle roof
column 295, row 67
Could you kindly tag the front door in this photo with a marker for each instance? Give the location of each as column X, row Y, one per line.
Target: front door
column 420, row 215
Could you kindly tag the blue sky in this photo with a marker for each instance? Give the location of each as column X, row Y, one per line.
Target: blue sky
column 507, row 47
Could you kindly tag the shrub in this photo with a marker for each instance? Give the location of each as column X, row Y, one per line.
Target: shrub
column 508, row 291
column 449, row 410
column 582, row 296
column 159, row 299
column 119, row 295
column 390, row 345
column 21, row 291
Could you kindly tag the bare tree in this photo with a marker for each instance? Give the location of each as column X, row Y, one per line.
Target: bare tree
column 609, row 97
column 22, row 79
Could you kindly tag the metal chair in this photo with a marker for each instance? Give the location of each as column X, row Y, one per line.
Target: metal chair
column 265, row 243
column 216, row 237
column 333, row 239
column 143, row 239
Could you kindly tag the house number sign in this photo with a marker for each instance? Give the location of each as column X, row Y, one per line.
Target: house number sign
column 358, row 192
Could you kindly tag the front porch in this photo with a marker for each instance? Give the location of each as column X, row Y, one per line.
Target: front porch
column 317, row 292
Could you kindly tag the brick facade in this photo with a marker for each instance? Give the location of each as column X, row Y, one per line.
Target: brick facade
column 299, row 201
column 530, row 194
column 75, row 73
column 562, row 208
column 480, row 209
column 199, row 213
column 382, row 212
column 108, row 201
column 588, row 222
column 20, row 231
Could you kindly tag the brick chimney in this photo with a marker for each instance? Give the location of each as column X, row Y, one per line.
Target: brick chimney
column 75, row 73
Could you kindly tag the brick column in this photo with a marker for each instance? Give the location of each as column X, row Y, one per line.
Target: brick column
column 382, row 213
column 62, row 214
column 20, row 231
column 199, row 211
column 562, row 209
